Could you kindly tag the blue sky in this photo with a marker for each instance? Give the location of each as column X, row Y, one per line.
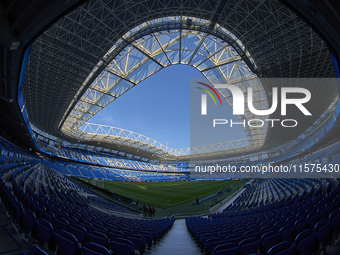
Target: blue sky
column 158, row 107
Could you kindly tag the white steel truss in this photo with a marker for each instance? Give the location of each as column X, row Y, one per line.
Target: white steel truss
column 119, row 136
column 156, row 44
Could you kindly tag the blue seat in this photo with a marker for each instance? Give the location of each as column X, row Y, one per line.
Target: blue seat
column 87, row 226
column 210, row 246
column 98, row 238
column 313, row 220
column 90, row 248
column 100, row 229
column 284, row 228
column 79, row 232
column 230, row 251
column 301, row 226
column 335, row 225
column 302, row 236
column 268, row 234
column 62, row 224
column 46, row 234
column 280, row 247
column 224, row 247
column 320, row 224
column 147, row 237
column 17, row 214
column 251, row 233
column 34, row 207
column 322, row 213
column 306, row 246
column 29, row 221
column 35, row 250
column 204, row 238
column 248, row 240
column 66, row 247
column 266, row 229
column 288, row 251
column 115, row 233
column 41, row 212
column 248, row 248
column 323, row 234
column 119, row 248
column 288, row 235
column 279, row 226
column 50, row 217
column 138, row 242
column 70, row 237
column 87, row 251
column 111, row 226
column 270, row 241
column 72, row 220
column 329, row 208
column 123, row 240
column 214, row 239
column 236, row 240
column 333, row 214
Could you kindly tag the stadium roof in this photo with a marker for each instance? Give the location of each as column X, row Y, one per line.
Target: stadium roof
column 63, row 57
column 155, row 45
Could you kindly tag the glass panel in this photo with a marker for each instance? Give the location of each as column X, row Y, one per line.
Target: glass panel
column 211, row 45
column 91, row 95
column 94, row 109
column 134, row 58
column 191, row 41
column 167, row 39
column 173, row 56
column 162, row 59
column 81, row 105
column 150, row 44
column 186, row 56
column 144, row 71
column 212, row 74
column 105, row 100
column 120, row 88
column 205, row 64
column 86, row 116
column 198, row 59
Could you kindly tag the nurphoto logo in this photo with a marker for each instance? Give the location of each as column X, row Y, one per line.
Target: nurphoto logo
column 239, row 104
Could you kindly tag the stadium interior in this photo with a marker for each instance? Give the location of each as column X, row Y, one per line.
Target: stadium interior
column 69, row 186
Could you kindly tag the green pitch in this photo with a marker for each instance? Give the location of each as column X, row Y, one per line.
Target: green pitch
column 166, row 194
column 173, row 198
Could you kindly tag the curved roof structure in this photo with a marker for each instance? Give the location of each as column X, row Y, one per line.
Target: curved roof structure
column 155, row 45
column 65, row 60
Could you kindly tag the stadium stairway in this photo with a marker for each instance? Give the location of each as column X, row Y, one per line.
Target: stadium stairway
column 220, row 210
column 11, row 243
column 177, row 241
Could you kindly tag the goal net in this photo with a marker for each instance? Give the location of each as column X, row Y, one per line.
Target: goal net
column 98, row 182
column 94, row 181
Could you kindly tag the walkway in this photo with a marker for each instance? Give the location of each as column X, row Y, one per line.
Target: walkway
column 177, row 241
column 11, row 243
column 219, row 210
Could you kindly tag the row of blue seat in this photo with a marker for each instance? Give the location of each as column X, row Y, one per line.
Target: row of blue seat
column 63, row 221
column 304, row 224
